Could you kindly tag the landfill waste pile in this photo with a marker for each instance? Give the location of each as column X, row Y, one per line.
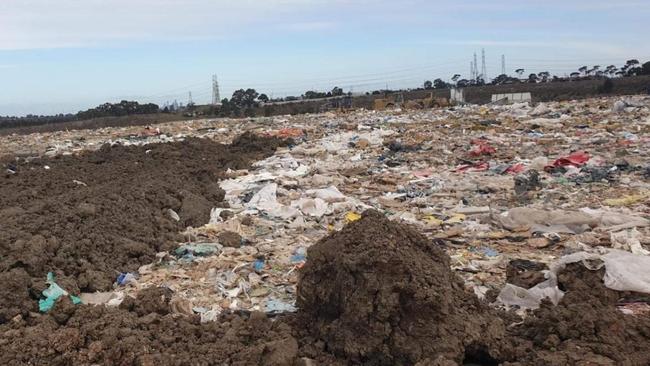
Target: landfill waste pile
column 505, row 234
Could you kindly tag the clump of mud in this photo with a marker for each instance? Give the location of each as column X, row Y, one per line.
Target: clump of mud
column 380, row 293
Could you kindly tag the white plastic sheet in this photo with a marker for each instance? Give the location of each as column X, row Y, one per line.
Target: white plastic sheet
column 330, row 194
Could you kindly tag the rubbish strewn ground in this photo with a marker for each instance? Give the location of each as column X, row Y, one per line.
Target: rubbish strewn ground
column 479, row 214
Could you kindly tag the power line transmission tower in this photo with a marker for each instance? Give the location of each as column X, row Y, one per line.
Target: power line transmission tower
column 475, row 67
column 503, row 64
column 189, row 99
column 216, row 99
column 483, row 69
column 471, row 70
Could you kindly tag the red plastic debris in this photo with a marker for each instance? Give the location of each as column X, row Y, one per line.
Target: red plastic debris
column 576, row 159
column 476, row 167
column 515, row 169
column 481, row 147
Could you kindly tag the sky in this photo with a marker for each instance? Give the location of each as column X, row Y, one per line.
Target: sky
column 68, row 55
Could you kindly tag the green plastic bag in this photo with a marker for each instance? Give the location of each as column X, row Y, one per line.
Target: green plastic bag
column 52, row 294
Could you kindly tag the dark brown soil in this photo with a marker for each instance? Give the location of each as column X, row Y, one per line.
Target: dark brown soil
column 585, row 328
column 113, row 219
column 144, row 333
column 525, row 273
column 230, row 239
column 380, row 293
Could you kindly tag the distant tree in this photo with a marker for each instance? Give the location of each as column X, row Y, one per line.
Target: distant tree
column 501, row 79
column 428, row 85
column 544, row 75
column 532, row 78
column 645, row 68
column 520, row 72
column 336, row 91
column 463, row 83
column 455, row 78
column 439, row 84
column 311, row 94
column 610, row 70
column 575, row 75
column 583, row 70
column 244, row 98
column 632, row 68
column 263, row 98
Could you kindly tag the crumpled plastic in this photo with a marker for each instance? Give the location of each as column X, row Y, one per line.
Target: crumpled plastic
column 198, row 249
column 330, row 194
column 628, row 240
column 624, row 271
column 577, row 159
column 543, row 221
column 266, row 200
column 52, row 294
column 275, row 306
column 570, row 222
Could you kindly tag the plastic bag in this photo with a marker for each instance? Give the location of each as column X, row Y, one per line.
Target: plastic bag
column 52, row 294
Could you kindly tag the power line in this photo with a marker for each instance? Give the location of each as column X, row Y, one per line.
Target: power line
column 216, row 98
column 483, row 69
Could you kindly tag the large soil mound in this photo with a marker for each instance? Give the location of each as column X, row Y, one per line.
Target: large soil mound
column 380, row 293
column 91, row 216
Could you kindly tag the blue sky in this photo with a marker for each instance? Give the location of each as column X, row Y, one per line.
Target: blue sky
column 66, row 55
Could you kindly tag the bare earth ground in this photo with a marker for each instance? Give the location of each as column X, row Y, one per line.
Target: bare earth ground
column 374, row 292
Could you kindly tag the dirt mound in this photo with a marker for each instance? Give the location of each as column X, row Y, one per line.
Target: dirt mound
column 91, row 216
column 586, row 328
column 380, row 293
column 145, row 334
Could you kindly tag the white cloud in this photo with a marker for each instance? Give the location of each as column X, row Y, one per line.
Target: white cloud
column 593, row 48
column 309, row 26
column 27, row 24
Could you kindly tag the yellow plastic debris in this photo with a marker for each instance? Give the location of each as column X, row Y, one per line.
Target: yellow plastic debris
column 456, row 219
column 432, row 220
column 352, row 216
column 627, row 200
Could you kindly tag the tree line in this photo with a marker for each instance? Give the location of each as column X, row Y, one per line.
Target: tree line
column 123, row 108
column 631, row 68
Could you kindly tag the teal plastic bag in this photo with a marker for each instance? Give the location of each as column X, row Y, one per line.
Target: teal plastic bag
column 52, row 294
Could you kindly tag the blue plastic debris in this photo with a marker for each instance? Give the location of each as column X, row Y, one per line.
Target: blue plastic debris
column 300, row 255
column 258, row 264
column 126, row 278
column 487, row 251
column 52, row 294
